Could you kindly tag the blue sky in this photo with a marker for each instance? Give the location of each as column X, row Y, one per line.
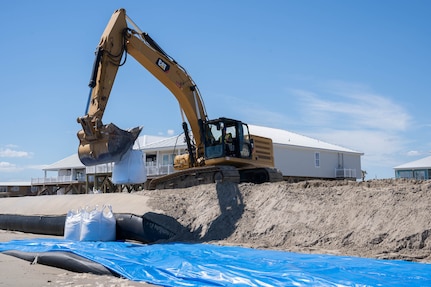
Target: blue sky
column 352, row 73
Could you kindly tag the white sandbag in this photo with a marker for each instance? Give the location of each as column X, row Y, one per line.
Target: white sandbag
column 130, row 169
column 98, row 224
column 72, row 227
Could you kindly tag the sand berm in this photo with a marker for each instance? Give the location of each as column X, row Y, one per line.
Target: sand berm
column 386, row 219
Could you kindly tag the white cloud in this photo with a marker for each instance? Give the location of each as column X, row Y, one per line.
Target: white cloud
column 351, row 115
column 352, row 106
column 249, row 112
column 12, row 151
column 171, row 132
column 37, row 167
column 7, row 166
column 8, row 152
column 413, row 153
column 380, row 149
column 346, row 114
column 264, row 117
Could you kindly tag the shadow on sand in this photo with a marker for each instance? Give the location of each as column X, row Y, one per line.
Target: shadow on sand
column 166, row 228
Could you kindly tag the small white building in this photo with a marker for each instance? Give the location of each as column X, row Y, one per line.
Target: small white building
column 67, row 175
column 418, row 169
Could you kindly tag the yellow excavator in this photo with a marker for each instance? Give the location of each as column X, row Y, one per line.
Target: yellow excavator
column 217, row 150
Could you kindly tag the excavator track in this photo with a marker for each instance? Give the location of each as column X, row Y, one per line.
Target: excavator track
column 196, row 176
column 213, row 174
column 260, row 175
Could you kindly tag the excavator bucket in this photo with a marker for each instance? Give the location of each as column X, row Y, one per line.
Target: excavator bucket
column 112, row 144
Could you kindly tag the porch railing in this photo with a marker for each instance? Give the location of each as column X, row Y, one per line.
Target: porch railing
column 57, row 179
column 345, row 173
column 152, row 170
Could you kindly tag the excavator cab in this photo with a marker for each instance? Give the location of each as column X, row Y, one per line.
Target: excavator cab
column 227, row 138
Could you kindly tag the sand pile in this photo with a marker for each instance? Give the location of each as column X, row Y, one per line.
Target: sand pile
column 388, row 219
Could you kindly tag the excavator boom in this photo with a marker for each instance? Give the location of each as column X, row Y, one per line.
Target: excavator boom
column 101, row 143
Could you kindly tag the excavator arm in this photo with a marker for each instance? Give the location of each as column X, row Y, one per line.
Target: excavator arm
column 101, row 143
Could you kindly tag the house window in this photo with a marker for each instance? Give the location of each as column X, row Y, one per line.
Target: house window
column 419, row 174
column 405, row 174
column 14, row 188
column 165, row 160
column 317, row 159
column 168, row 159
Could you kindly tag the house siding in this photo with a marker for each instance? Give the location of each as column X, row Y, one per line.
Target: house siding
column 301, row 162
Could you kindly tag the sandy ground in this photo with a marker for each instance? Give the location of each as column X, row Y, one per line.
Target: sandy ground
column 387, row 219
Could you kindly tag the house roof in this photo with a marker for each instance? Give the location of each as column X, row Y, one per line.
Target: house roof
column 146, row 140
column 68, row 162
column 417, row 164
column 176, row 141
column 15, row 183
column 284, row 137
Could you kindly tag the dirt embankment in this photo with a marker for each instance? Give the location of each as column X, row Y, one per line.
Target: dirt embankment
column 381, row 218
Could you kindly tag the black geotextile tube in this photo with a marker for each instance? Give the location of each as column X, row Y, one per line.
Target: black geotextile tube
column 147, row 228
column 63, row 260
column 38, row 224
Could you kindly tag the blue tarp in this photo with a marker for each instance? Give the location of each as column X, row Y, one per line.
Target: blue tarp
column 180, row 264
